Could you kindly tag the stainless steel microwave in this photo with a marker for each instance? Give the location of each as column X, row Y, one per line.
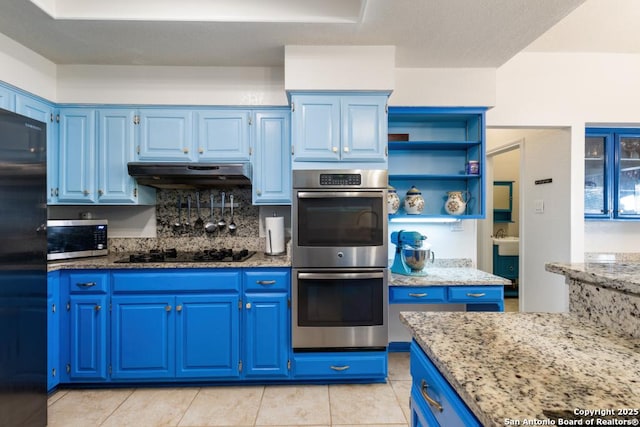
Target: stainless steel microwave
column 77, row 238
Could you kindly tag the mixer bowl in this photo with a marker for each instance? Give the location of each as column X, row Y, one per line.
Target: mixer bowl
column 416, row 259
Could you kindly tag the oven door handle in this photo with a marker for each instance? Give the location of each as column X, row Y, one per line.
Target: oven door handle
column 334, row 276
column 339, row 194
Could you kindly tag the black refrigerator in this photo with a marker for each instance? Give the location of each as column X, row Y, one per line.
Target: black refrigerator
column 23, row 271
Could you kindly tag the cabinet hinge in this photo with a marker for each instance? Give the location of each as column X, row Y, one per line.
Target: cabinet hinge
column 53, row 308
column 110, row 370
column 57, row 118
column 239, row 304
column 240, row 366
column 386, row 150
column 51, row 118
column 136, row 120
column 288, row 302
column 250, row 121
column 250, row 150
column 293, row 107
column 386, row 108
column 68, row 368
column 293, row 151
column 289, row 365
column 138, row 150
column 135, row 192
column 69, row 306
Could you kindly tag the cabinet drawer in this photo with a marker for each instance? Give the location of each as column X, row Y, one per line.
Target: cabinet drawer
column 327, row 366
column 174, row 280
column 430, row 390
column 416, row 295
column 475, row 293
column 88, row 282
column 263, row 280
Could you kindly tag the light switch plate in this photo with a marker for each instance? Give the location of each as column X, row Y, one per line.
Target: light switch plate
column 538, row 206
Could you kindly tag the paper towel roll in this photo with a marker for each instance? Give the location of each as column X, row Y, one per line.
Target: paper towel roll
column 274, row 234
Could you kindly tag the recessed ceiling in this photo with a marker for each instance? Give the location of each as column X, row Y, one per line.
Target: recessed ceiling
column 310, row 11
column 426, row 33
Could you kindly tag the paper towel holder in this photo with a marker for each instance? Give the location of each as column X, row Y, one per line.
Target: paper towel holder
column 269, row 242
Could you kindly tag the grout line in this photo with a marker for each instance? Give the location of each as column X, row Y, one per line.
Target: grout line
column 189, row 406
column 118, row 406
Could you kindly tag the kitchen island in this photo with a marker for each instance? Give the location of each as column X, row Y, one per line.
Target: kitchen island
column 607, row 293
column 512, row 367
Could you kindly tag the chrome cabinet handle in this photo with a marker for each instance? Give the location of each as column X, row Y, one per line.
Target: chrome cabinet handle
column 340, row 368
column 422, row 295
column 476, row 295
column 86, row 284
column 266, row 282
column 430, row 401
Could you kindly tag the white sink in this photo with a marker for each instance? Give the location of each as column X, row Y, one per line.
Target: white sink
column 507, row 246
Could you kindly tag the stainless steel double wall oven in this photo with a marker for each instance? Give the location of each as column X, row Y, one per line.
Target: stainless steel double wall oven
column 339, row 256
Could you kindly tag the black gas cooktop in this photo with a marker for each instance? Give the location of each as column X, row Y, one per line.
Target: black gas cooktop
column 172, row 255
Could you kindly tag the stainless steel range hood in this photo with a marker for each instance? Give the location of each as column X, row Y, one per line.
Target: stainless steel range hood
column 190, row 175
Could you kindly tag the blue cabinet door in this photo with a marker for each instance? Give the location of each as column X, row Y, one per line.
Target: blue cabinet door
column 316, row 128
column 45, row 113
column 166, row 135
column 77, row 177
column 143, row 337
column 53, row 330
column 364, row 128
column 7, row 99
column 272, row 158
column 207, row 336
column 223, row 135
column 116, row 131
column 88, row 337
column 266, row 328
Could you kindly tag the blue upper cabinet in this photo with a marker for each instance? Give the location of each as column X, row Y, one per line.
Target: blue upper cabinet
column 116, row 147
column 612, row 182
column 165, row 135
column 430, row 148
column 223, row 135
column 44, row 112
column 271, row 158
column 7, row 99
column 77, row 179
column 339, row 128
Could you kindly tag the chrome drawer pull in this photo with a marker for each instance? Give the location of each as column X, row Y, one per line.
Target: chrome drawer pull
column 430, row 401
column 340, row 368
column 266, row 282
column 422, row 295
column 86, row 284
column 476, row 295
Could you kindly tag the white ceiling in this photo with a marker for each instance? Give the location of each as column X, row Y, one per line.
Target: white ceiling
column 426, row 33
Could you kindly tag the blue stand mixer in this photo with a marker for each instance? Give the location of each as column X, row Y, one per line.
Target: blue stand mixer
column 410, row 258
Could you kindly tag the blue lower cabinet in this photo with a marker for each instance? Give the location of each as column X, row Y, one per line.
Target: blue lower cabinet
column 207, row 336
column 143, row 337
column 433, row 401
column 341, row 365
column 266, row 331
column 53, row 330
column 88, row 337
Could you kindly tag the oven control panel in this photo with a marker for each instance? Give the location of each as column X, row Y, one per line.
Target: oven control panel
column 340, row 179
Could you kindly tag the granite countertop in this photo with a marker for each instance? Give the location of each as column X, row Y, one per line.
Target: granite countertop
column 448, row 276
column 259, row 259
column 621, row 276
column 517, row 366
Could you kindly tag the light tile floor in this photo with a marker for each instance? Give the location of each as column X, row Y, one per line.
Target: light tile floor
column 511, row 304
column 273, row 405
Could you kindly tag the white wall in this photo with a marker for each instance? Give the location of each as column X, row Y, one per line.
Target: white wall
column 26, row 69
column 171, row 85
column 547, row 235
